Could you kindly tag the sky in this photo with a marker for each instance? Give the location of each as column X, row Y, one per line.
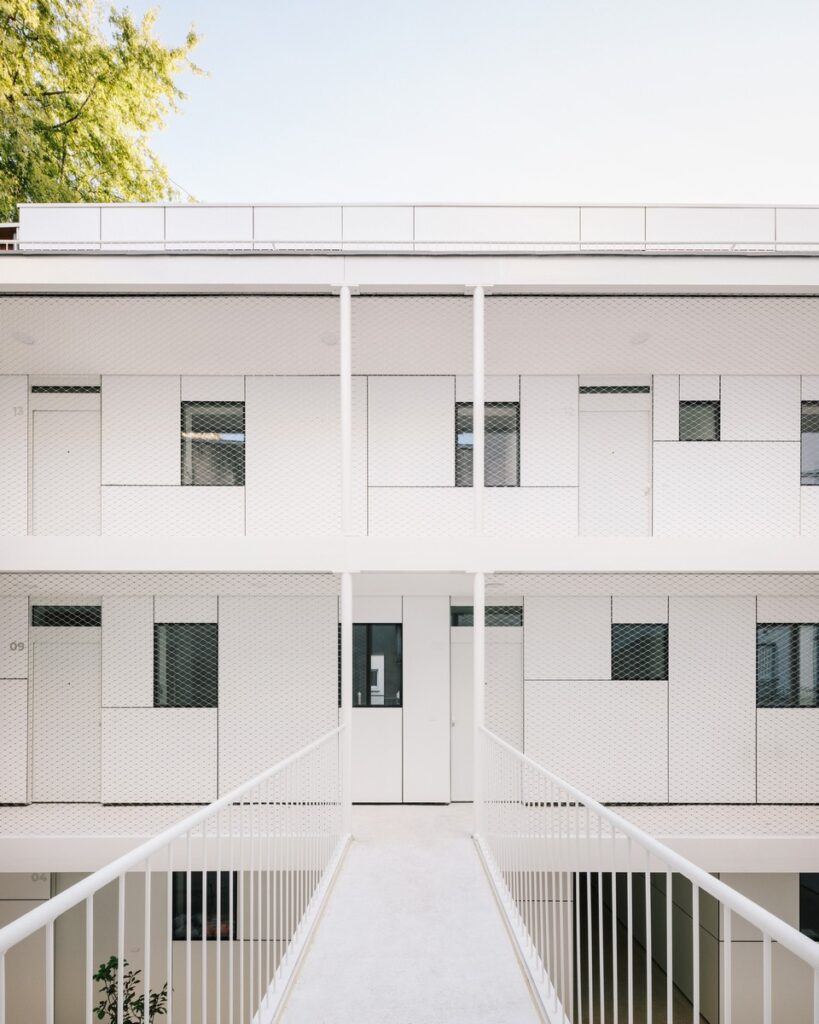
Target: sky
column 647, row 101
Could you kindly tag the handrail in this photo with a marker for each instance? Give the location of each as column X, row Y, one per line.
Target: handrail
column 41, row 916
column 764, row 920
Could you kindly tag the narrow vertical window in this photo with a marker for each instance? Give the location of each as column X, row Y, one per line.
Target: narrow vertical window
column 501, row 444
column 213, row 444
column 810, row 444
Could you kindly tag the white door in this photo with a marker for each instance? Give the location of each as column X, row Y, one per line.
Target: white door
column 462, row 714
column 615, row 473
column 66, row 718
column 66, row 472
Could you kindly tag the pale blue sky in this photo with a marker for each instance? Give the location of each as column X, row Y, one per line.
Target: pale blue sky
column 520, row 100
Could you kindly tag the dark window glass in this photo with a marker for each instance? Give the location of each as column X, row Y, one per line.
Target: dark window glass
column 186, row 665
column 501, row 444
column 615, row 389
column 65, row 389
column 66, row 615
column 810, row 443
column 639, row 650
column 213, row 444
column 204, row 910
column 787, row 663
column 699, row 421
column 809, row 906
column 496, row 615
column 377, row 665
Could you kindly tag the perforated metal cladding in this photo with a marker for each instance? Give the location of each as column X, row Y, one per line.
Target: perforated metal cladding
column 155, row 689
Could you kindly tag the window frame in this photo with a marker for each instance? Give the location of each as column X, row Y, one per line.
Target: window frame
column 184, row 442
column 710, row 403
column 459, row 406
column 492, row 612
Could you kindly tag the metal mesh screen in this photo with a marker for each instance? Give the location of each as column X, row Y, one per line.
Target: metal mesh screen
column 129, row 696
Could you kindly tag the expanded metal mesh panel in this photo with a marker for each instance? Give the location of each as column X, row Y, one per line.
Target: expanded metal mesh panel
column 141, row 689
column 687, row 690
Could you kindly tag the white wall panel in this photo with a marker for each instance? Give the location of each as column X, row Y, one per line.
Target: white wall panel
column 726, row 488
column 774, row 892
column 213, row 389
column 613, row 224
column 500, row 225
column 639, row 609
column 666, row 407
column 376, row 609
column 426, row 699
column 14, row 618
column 173, row 511
column 567, row 637
column 141, row 430
column 462, row 707
column 712, row 699
column 700, row 387
column 411, row 431
column 297, row 224
column 377, row 755
column 293, row 472
column 529, row 511
column 788, row 755
column 76, row 223
column 810, row 389
column 127, row 652
column 787, row 609
column 615, row 473
column 278, row 672
column 412, row 511
column 809, row 511
column 14, row 452
column 378, row 224
column 584, row 731
column 123, row 224
column 760, row 408
column 13, row 740
column 65, row 473
column 152, row 755
column 677, row 224
column 203, row 224
column 186, row 608
column 66, row 720
column 398, row 334
column 504, row 685
column 497, row 389
column 548, row 431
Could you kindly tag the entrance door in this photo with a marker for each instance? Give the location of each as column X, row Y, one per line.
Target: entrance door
column 462, row 739
column 66, row 472
column 377, row 712
column 66, row 716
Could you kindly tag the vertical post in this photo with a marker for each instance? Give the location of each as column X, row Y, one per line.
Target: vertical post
column 478, row 409
column 347, row 698
column 478, row 660
column 346, row 393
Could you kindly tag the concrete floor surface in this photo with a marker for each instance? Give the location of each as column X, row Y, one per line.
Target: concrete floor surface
column 411, row 933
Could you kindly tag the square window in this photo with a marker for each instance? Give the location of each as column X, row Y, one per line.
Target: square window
column 377, row 665
column 221, row 925
column 186, row 665
column 639, row 650
column 810, row 444
column 496, row 615
column 699, row 421
column 787, row 665
column 213, row 444
column 501, row 444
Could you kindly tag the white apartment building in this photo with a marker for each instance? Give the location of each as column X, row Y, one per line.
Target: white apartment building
column 257, row 459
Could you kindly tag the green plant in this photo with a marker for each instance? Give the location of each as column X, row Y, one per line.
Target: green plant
column 133, row 1006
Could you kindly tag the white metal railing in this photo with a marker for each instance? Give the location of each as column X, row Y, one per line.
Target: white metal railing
column 279, row 839
column 549, row 849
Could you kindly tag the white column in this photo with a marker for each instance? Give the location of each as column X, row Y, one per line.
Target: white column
column 346, row 389
column 347, row 696
column 478, row 684
column 478, row 399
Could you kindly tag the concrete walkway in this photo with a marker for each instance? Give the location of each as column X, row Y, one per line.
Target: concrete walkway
column 411, row 933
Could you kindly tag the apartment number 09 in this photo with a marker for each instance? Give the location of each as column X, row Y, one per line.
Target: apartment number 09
column 17, row 645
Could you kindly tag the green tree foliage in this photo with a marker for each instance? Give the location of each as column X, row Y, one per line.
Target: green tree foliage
column 133, row 1005
column 81, row 90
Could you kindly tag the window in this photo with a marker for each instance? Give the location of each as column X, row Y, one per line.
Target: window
column 66, row 615
column 810, row 443
column 787, row 656
column 809, row 906
column 501, row 444
column 639, row 650
column 377, row 665
column 699, row 421
column 496, row 615
column 186, row 665
column 228, row 903
column 213, row 444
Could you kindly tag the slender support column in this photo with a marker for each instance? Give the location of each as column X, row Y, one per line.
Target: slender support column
column 347, row 696
column 478, row 417
column 346, row 389
column 478, row 688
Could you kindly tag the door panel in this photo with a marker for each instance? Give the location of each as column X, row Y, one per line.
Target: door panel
column 462, row 742
column 66, row 473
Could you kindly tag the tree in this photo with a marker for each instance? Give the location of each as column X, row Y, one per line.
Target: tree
column 81, row 90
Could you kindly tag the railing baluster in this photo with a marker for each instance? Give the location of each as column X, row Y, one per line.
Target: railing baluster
column 89, row 957
column 766, row 978
column 242, row 911
column 251, row 912
column 649, row 961
column 589, row 952
column 120, row 946
column 615, row 966
column 630, row 934
column 268, row 918
column 188, row 931
column 669, row 946
column 231, row 910
column 728, row 981
column 49, row 969
column 204, row 937
column 600, row 943
column 576, row 898
column 695, row 935
column 3, row 988
column 218, row 952
column 146, row 972
column 169, row 931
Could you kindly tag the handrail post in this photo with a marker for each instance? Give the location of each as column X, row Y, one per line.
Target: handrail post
column 347, row 698
column 478, row 687
column 478, row 410
column 346, row 398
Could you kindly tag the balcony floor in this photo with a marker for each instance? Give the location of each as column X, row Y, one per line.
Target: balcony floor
column 411, row 932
